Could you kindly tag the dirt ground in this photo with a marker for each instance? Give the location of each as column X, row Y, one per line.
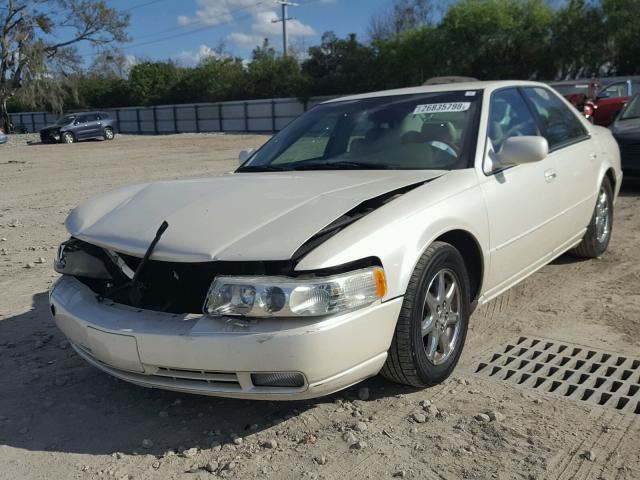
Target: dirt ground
column 60, row 418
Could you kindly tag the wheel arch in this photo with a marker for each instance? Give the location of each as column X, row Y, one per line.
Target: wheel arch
column 471, row 252
column 611, row 175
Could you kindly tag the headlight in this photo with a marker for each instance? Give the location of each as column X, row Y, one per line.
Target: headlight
column 295, row 297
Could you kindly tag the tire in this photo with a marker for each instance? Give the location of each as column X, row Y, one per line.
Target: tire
column 108, row 133
column 408, row 361
column 67, row 137
column 596, row 238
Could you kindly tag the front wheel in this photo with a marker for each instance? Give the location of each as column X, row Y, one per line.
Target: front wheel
column 108, row 133
column 67, row 137
column 433, row 321
column 596, row 238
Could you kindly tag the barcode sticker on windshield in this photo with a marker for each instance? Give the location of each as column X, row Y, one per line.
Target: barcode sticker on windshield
column 442, row 107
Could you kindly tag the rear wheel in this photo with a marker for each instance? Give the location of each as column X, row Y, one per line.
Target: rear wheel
column 67, row 137
column 596, row 238
column 108, row 133
column 433, row 321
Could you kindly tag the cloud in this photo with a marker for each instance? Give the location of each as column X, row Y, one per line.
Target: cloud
column 215, row 12
column 218, row 12
column 243, row 40
column 191, row 57
column 263, row 26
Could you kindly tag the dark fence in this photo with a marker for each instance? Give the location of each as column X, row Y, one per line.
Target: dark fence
column 269, row 115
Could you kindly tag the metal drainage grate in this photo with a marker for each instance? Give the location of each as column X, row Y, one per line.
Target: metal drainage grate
column 570, row 371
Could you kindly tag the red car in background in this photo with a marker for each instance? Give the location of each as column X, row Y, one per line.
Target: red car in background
column 609, row 101
column 577, row 92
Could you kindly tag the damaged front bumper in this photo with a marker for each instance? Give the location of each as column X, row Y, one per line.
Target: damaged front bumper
column 220, row 355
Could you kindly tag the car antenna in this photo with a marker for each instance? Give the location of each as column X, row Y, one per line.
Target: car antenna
column 135, row 295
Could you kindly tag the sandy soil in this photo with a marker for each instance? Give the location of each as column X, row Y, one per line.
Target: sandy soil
column 60, row 418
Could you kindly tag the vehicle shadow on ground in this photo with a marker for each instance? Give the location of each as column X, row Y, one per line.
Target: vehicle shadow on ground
column 53, row 401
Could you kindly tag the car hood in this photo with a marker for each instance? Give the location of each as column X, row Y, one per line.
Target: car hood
column 52, row 127
column 239, row 216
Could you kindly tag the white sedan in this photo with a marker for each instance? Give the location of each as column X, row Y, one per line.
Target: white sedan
column 358, row 240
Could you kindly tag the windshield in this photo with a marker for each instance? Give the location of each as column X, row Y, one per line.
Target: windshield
column 631, row 110
column 66, row 120
column 574, row 89
column 434, row 131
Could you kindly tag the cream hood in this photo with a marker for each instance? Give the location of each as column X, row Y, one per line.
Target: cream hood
column 239, row 216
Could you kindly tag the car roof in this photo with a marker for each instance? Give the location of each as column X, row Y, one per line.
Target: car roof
column 575, row 82
column 447, row 87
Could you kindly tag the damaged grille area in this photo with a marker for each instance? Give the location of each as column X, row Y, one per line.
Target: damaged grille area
column 173, row 287
column 571, row 371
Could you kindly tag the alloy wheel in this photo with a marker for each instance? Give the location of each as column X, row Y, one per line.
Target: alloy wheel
column 603, row 217
column 441, row 316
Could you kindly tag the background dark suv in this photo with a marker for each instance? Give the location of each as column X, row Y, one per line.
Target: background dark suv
column 80, row 126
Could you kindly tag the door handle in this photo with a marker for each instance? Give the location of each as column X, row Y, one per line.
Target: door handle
column 550, row 175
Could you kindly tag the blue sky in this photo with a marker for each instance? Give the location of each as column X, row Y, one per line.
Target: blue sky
column 185, row 30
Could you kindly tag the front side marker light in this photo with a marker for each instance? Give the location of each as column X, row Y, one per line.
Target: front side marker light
column 295, row 297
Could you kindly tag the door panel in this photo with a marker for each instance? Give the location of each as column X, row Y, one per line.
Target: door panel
column 607, row 110
column 575, row 155
column 524, row 205
column 81, row 129
column 524, row 202
column 577, row 177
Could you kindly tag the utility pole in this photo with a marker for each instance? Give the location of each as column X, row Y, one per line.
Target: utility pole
column 285, row 16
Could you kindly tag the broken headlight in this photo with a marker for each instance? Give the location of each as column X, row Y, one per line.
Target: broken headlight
column 295, row 297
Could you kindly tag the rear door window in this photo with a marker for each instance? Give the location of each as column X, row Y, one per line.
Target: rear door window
column 558, row 123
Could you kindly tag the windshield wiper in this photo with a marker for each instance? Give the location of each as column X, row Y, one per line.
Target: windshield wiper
column 342, row 165
column 262, row 168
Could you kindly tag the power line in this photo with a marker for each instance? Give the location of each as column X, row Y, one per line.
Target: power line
column 140, row 5
column 190, row 32
column 199, row 22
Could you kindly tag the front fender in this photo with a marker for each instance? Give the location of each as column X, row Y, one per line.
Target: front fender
column 399, row 232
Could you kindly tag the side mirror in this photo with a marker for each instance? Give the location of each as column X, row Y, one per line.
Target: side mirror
column 245, row 154
column 520, row 150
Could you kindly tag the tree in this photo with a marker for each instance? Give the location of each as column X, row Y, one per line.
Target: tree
column 38, row 40
column 623, row 34
column 410, row 58
column 401, row 16
column 497, row 39
column 579, row 42
column 152, row 83
column 341, row 66
column 272, row 76
column 215, row 79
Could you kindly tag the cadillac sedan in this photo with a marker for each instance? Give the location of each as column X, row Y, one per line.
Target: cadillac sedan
column 356, row 241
